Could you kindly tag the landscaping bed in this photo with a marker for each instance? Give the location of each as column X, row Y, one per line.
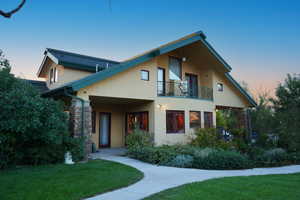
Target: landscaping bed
column 206, row 151
column 65, row 182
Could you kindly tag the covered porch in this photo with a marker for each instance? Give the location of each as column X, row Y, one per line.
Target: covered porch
column 113, row 118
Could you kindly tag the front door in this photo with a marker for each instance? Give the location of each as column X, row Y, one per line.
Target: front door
column 192, row 81
column 104, row 129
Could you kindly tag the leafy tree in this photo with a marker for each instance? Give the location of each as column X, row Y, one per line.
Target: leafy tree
column 263, row 120
column 287, row 111
column 33, row 130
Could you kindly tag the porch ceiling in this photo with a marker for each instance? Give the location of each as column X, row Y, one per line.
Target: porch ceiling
column 96, row 100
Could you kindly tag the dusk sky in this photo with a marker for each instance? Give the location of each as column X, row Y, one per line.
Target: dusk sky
column 259, row 39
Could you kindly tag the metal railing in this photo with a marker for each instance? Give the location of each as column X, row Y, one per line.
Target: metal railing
column 183, row 89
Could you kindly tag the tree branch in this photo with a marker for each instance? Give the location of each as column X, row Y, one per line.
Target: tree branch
column 10, row 13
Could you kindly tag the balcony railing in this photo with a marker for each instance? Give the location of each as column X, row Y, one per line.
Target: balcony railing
column 183, row 89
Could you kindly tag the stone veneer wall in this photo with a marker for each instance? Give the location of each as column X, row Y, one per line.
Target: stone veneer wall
column 76, row 123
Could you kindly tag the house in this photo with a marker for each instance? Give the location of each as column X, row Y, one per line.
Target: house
column 168, row 91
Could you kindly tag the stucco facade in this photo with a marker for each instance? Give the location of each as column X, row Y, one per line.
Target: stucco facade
column 125, row 92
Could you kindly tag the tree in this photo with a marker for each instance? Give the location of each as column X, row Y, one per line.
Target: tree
column 287, row 111
column 33, row 130
column 10, row 13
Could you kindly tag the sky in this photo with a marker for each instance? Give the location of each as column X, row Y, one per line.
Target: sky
column 260, row 40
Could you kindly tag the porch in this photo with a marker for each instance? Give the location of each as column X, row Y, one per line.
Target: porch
column 113, row 118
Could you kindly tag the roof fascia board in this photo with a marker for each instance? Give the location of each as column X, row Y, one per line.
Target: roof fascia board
column 77, row 85
column 215, row 53
column 239, row 87
column 77, row 66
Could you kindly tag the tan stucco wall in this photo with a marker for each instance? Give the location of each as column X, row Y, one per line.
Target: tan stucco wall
column 186, row 105
column 230, row 96
column 127, row 84
column 117, row 125
column 65, row 75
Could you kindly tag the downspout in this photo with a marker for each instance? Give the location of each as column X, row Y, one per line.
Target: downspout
column 82, row 109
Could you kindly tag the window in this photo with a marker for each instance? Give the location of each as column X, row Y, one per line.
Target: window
column 174, row 68
column 53, row 75
column 195, row 119
column 93, row 122
column 175, row 121
column 145, row 75
column 208, row 120
column 137, row 120
column 161, row 81
column 220, row 87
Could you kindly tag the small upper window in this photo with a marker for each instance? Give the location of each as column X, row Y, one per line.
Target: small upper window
column 220, row 87
column 145, row 75
column 53, row 75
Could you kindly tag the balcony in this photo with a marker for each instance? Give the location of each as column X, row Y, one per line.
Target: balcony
column 183, row 89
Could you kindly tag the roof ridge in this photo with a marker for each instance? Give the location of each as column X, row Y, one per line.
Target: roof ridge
column 81, row 55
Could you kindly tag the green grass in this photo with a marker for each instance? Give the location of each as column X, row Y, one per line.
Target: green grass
column 65, row 182
column 268, row 187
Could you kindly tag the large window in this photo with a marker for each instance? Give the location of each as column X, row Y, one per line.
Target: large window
column 195, row 119
column 175, row 121
column 208, row 120
column 137, row 120
column 174, row 68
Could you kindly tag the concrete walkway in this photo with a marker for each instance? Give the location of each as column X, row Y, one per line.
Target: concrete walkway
column 159, row 178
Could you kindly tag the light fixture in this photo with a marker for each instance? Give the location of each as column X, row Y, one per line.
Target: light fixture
column 161, row 107
column 183, row 59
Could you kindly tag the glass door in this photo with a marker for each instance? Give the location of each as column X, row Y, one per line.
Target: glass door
column 104, row 129
column 192, row 81
column 161, row 81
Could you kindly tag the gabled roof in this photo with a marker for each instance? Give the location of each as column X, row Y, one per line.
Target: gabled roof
column 195, row 37
column 76, row 61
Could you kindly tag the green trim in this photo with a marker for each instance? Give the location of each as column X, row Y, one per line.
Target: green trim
column 77, row 66
column 77, row 85
column 238, row 86
column 181, row 97
column 215, row 53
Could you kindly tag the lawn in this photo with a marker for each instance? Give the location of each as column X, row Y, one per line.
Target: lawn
column 65, row 182
column 268, row 187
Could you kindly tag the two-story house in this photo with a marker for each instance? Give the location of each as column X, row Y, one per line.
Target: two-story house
column 168, row 91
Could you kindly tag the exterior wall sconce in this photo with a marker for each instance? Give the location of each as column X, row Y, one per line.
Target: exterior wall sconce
column 183, row 59
column 162, row 107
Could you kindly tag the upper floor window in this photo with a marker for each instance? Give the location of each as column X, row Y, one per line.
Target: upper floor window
column 175, row 68
column 220, row 87
column 175, row 121
column 53, row 75
column 145, row 75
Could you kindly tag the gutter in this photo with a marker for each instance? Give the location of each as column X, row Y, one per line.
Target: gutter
column 82, row 109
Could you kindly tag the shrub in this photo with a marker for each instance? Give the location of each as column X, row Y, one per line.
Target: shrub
column 76, row 147
column 181, row 161
column 138, row 138
column 203, row 153
column 273, row 157
column 33, row 129
column 208, row 137
column 222, row 160
column 154, row 155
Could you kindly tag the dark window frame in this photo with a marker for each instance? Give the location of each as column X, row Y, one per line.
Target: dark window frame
column 148, row 75
column 199, row 112
column 208, row 123
column 221, row 88
column 180, row 61
column 162, row 83
column 94, row 114
column 136, row 113
column 175, row 111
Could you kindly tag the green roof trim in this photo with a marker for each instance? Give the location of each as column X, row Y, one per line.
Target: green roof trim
column 239, row 87
column 77, row 85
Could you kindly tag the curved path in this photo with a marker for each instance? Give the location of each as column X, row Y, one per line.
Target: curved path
column 158, row 178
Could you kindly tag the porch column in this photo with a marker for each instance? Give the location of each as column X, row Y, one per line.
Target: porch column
column 81, row 122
